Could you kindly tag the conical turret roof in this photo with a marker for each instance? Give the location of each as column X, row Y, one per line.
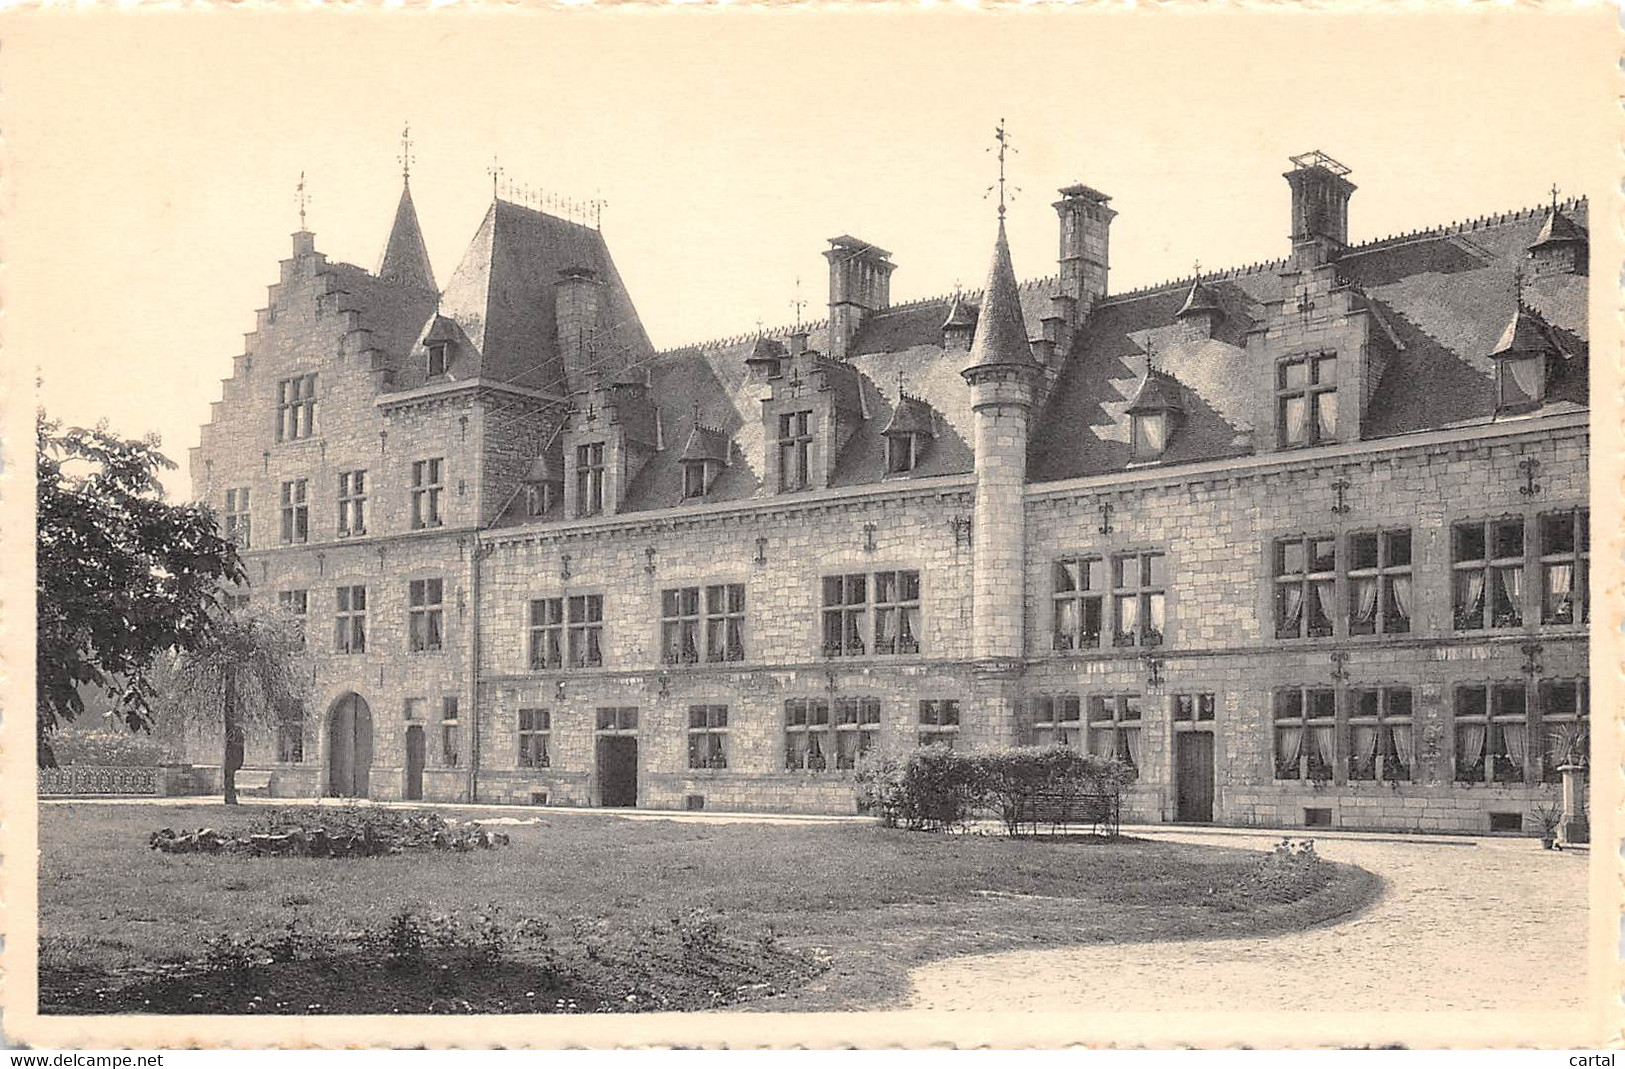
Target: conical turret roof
column 1201, row 298
column 1557, row 229
column 960, row 314
column 1001, row 332
column 406, row 257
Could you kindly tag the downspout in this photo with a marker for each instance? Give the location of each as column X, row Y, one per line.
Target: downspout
column 477, row 552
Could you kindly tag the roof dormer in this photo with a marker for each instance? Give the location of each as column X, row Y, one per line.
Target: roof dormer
column 1527, row 360
column 1201, row 313
column 765, row 359
column 959, row 329
column 1560, row 247
column 704, row 456
column 440, row 348
column 908, row 434
column 1155, row 414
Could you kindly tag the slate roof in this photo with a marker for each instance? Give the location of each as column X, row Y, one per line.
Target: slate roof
column 1001, row 332
column 911, row 416
column 1201, row 298
column 1558, row 228
column 406, row 257
column 707, row 443
column 1158, row 392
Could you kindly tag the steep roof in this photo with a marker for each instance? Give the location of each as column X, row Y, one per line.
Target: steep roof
column 1526, row 332
column 406, row 257
column 1557, row 229
column 911, row 416
column 706, row 443
column 1158, row 392
column 1201, row 298
column 960, row 313
column 1001, row 333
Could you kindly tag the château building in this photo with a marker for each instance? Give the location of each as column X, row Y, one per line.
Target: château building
column 1306, row 542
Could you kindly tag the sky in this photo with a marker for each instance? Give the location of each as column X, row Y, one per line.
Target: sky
column 151, row 160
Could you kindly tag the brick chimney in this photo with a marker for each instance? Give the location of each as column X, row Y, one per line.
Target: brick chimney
column 1320, row 209
column 576, row 303
column 859, row 283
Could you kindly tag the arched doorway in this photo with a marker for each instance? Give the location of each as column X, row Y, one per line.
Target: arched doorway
column 349, row 747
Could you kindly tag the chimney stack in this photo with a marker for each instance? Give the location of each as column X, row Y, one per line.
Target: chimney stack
column 1320, row 209
column 575, row 319
column 1086, row 222
column 859, row 283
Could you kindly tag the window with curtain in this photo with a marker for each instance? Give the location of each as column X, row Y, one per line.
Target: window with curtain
column 1565, row 567
column 939, row 721
column 1565, row 719
column 1079, row 589
column 1306, row 399
column 872, row 614
column 1522, row 381
column 1305, row 586
column 1305, row 733
column 1053, row 719
column 1491, row 733
column 707, row 736
column 680, row 625
column 1379, row 734
column 1139, row 599
column 1487, row 563
column 1114, row 727
column 1379, row 582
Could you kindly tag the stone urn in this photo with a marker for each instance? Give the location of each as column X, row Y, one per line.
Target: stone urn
column 1574, row 828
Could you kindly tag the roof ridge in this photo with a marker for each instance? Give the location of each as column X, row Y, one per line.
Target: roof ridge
column 1206, row 277
column 1465, row 226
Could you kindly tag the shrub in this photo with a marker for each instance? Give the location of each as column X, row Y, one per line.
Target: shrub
column 940, row 788
column 879, row 783
column 937, row 788
column 107, row 748
column 1015, row 779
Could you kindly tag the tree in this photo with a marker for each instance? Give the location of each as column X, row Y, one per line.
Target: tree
column 248, row 676
column 122, row 575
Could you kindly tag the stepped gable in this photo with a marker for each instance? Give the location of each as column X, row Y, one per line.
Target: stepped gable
column 502, row 295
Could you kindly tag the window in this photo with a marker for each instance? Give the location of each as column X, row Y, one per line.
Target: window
column 813, row 738
column 423, row 615
column 590, row 479
column 581, row 640
column 1520, row 381
column 1565, row 718
column 722, row 619
column 900, row 450
column 426, row 490
column 939, row 721
column 451, row 734
column 1079, row 584
column 1138, row 599
column 1379, row 734
column 854, row 626
column 1054, row 719
column 1148, row 434
column 538, row 498
column 693, row 478
column 295, row 512
column 1305, row 586
column 535, row 733
column 237, row 602
column 1194, row 708
column 1492, row 733
column 296, row 603
column 296, row 408
column 1488, row 573
column 352, row 503
column 238, row 520
column 1379, row 583
column 795, row 450
column 1565, row 567
column 622, row 719
column 857, row 729
column 1114, row 728
column 1306, row 399
column 350, row 620
column 1305, row 733
column 708, row 736
column 413, row 709
column 439, row 358
column 290, row 734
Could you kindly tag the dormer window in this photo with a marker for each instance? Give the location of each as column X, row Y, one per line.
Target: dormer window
column 913, row 423
column 693, row 478
column 1524, row 361
column 590, row 479
column 539, row 498
column 706, row 454
column 1150, row 434
column 795, row 450
column 439, row 358
column 1306, row 400
column 1154, row 414
column 1522, row 382
column 899, row 454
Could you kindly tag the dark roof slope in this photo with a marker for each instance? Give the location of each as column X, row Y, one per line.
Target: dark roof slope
column 406, row 257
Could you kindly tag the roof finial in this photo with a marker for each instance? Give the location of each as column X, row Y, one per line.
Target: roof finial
column 1517, row 286
column 303, row 199
column 1198, row 269
column 406, row 154
column 1002, row 136
column 1150, row 356
column 798, row 303
column 597, row 210
column 495, row 171
column 1554, row 196
column 696, row 411
column 899, row 385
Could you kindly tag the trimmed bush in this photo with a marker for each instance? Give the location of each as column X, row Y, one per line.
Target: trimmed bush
column 107, row 749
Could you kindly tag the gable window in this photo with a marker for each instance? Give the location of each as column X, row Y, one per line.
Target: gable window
column 722, row 619
column 708, row 736
column 1306, row 399
column 1305, row 586
column 350, row 620
column 1305, row 733
column 1379, row 734
column 439, row 358
column 1487, row 565
column 295, row 511
column 290, row 734
column 296, row 603
column 427, row 486
column 1078, row 602
column 238, row 523
column 451, row 733
column 1565, row 717
column 1492, row 733
column 535, row 738
column 1114, row 728
column 581, row 640
column 423, row 615
column 1379, row 573
column 538, row 498
column 890, row 624
column 1054, row 719
column 1138, row 599
column 296, row 408
column 795, row 450
column 590, row 479
column 1565, row 567
column 352, row 503
column 939, row 721
column 1148, row 434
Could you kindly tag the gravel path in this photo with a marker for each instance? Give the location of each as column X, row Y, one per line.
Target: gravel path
column 1471, row 925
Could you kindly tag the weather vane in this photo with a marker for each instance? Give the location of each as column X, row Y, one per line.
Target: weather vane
column 495, row 171
column 303, row 198
column 1002, row 136
column 1150, row 355
column 1554, row 196
column 1198, row 269
column 798, row 304
column 406, row 154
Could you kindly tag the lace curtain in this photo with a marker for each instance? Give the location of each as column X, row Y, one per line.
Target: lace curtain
column 1288, row 750
column 1559, row 581
column 1399, row 588
column 1365, row 600
column 1363, row 741
column 1291, row 607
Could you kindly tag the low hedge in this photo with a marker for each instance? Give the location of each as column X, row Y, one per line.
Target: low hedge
column 937, row 788
column 101, row 747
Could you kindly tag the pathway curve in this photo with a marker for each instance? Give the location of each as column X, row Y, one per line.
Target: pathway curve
column 1469, row 925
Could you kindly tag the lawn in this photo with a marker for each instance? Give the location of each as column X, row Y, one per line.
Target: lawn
column 604, row 913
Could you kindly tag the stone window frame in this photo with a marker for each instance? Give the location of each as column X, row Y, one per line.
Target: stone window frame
column 1055, row 719
column 296, row 408
column 707, row 736
column 1498, row 609
column 296, row 603
column 1201, row 702
column 352, row 518
column 562, row 625
column 1122, row 713
column 1305, row 581
column 350, row 619
column 860, row 620
column 589, row 472
column 1072, row 594
column 794, row 443
column 1308, row 718
column 451, row 732
column 1381, row 716
column 428, row 485
column 1550, row 720
column 1494, row 766
column 1143, row 593
column 1311, row 392
column 290, row 734
column 939, row 722
column 425, row 615
column 295, row 511
column 1577, row 558
column 1388, row 577
column 710, row 629
column 833, row 733
column 622, row 720
column 535, row 737
column 437, row 359
column 239, row 518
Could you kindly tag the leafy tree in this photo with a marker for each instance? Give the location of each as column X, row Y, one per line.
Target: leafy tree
column 122, row 575
column 248, row 676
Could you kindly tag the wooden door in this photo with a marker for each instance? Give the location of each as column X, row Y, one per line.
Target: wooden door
column 617, row 770
column 415, row 750
column 1193, row 775
column 349, row 748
